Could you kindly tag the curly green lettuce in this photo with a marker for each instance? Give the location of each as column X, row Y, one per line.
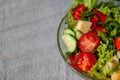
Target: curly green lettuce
column 105, row 52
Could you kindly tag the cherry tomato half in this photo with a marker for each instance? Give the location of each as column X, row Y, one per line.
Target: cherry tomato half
column 88, row 42
column 83, row 61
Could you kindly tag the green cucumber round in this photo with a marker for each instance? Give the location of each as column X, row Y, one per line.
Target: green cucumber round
column 70, row 42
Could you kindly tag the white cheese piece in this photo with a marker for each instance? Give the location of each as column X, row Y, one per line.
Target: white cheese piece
column 83, row 26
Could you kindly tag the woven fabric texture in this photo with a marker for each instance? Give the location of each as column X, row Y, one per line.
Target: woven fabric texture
column 28, row 45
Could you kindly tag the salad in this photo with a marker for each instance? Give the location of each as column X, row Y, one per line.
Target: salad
column 92, row 38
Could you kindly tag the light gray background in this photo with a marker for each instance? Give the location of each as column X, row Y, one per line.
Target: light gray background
column 28, row 45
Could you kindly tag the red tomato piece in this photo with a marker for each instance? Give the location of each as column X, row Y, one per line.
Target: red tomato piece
column 73, row 62
column 89, row 42
column 101, row 16
column 101, row 28
column 76, row 15
column 93, row 26
column 83, row 61
column 80, row 8
column 77, row 11
column 117, row 43
column 94, row 19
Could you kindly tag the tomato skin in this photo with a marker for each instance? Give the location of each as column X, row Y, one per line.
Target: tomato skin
column 101, row 28
column 77, row 11
column 94, row 19
column 89, row 42
column 76, row 15
column 80, row 8
column 83, row 61
column 73, row 62
column 93, row 26
column 101, row 16
column 117, row 43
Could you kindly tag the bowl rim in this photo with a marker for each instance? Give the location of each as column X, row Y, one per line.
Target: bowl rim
column 58, row 42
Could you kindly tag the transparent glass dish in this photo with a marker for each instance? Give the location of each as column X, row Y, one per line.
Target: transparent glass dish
column 63, row 49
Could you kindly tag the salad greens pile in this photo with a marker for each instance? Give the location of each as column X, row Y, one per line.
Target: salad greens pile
column 106, row 50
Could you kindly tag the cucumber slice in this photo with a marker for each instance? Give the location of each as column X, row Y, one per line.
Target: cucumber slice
column 69, row 31
column 78, row 34
column 70, row 42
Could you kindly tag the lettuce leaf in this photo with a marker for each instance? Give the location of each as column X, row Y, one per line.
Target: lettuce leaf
column 90, row 4
column 112, row 13
column 70, row 20
column 113, row 27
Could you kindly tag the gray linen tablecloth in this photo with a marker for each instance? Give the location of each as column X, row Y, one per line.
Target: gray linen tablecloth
column 28, row 45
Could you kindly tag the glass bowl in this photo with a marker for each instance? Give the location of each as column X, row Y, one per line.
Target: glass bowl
column 63, row 49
